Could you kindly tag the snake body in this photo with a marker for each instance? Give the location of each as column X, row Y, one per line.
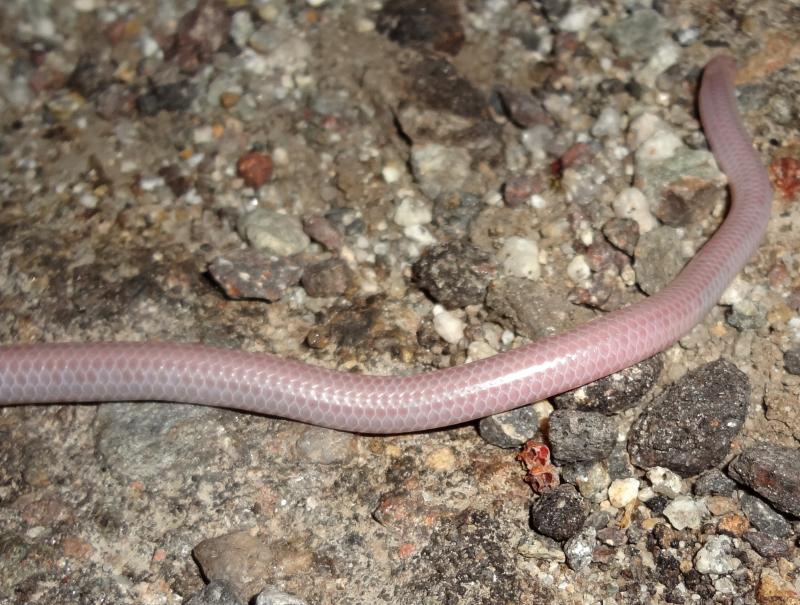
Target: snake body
column 267, row 384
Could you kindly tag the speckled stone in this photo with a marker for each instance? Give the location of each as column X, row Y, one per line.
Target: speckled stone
column 252, row 274
column 714, row 557
column 690, row 427
column 581, row 436
column 579, row 548
column 455, row 274
column 714, row 482
column 773, row 471
column 559, row 513
column 766, row 545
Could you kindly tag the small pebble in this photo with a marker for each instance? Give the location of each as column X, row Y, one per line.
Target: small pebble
column 322, row 230
column 665, row 482
column 520, row 257
column 579, row 548
column 392, row 172
column 541, row 548
column 173, row 97
column 591, row 479
column 559, row 513
column 274, row 596
column 714, row 556
column 639, row 34
column 772, row 471
column 612, row 536
column 241, row 27
column 730, row 523
column 714, row 482
column 216, row 592
column 615, row 393
column 766, row 545
column 439, row 169
column 684, row 512
column 420, row 234
column 578, row 269
column 330, row 277
column 622, row 492
column 579, row 18
column 243, row 560
column 523, row 108
column 632, row 204
column 251, row 274
column 791, row 361
column 441, row 460
column 411, row 211
column 448, row 325
column 519, row 191
column 255, row 168
column 275, row 233
column 456, row 274
column 622, row 233
column 658, row 258
column 581, row 436
column 607, row 123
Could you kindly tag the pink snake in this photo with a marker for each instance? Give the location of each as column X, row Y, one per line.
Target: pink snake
column 266, row 384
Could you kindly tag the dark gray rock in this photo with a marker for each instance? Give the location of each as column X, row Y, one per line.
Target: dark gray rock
column 455, row 274
column 791, row 360
column 690, row 427
column 559, row 514
column 766, row 545
column 763, row 517
column 773, row 471
column 576, row 436
column 714, row 483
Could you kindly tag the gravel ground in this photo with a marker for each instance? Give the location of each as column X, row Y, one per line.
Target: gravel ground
column 387, row 188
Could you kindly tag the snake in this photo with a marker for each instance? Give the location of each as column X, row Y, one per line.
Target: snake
column 268, row 384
